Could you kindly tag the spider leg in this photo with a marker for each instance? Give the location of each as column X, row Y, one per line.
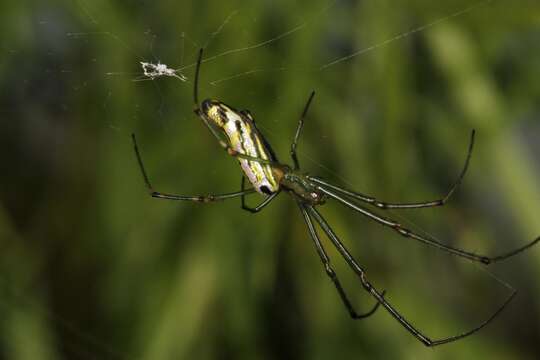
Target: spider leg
column 330, row 271
column 206, row 121
column 299, row 130
column 379, row 296
column 431, row 242
column 259, row 207
column 415, row 205
column 198, row 198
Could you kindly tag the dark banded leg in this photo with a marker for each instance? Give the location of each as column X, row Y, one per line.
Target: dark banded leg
column 330, row 271
column 415, row 205
column 259, row 207
column 410, row 234
column 298, row 131
column 379, row 296
column 198, row 198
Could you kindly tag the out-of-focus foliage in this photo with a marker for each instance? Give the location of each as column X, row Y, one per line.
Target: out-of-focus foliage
column 93, row 268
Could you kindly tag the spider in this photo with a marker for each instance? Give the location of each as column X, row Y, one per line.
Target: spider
column 269, row 177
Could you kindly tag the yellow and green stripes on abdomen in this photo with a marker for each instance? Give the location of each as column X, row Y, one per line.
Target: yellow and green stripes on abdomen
column 245, row 139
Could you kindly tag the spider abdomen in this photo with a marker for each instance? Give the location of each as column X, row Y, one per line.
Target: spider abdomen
column 245, row 138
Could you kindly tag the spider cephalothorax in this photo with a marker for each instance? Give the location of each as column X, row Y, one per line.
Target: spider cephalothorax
column 303, row 188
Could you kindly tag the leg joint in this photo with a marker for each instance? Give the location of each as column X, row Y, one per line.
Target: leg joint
column 365, row 283
column 329, row 271
column 402, row 231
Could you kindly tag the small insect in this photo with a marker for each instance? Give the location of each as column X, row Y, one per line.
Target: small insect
column 153, row 71
column 270, row 177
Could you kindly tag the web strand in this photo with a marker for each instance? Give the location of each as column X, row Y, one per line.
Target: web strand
column 405, row 34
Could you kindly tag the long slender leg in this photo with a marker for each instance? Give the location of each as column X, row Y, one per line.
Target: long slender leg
column 380, row 298
column 198, row 198
column 299, row 130
column 208, row 124
column 385, row 205
column 259, row 207
column 409, row 233
column 330, row 271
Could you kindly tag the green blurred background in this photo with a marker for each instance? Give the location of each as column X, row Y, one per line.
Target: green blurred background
column 93, row 268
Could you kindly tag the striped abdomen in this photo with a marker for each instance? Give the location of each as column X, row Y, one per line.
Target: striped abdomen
column 245, row 139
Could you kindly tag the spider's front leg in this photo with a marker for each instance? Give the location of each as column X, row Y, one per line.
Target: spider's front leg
column 412, row 205
column 330, row 271
column 379, row 296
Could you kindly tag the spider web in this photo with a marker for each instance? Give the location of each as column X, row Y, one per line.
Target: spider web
column 154, row 68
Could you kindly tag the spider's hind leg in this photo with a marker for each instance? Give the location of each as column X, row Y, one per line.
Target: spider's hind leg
column 197, row 198
column 259, row 207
